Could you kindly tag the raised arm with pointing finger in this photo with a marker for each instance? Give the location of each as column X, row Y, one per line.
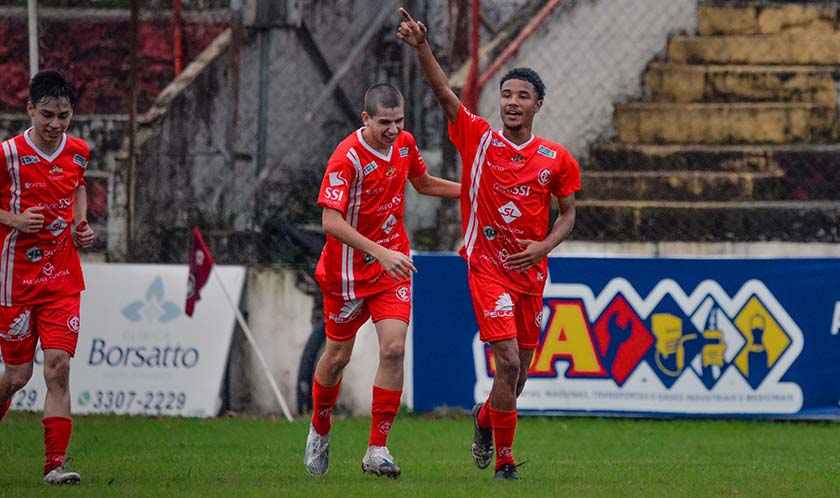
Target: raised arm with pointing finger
column 414, row 33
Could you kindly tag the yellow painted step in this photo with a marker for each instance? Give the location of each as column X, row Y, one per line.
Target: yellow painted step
column 790, row 49
column 739, row 83
column 765, row 123
column 716, row 19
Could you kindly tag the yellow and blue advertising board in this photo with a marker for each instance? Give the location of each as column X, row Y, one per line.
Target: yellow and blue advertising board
column 651, row 337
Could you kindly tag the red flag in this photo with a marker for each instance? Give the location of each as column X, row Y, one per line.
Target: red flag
column 201, row 263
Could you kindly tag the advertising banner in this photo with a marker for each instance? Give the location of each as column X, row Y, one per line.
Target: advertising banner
column 138, row 353
column 670, row 337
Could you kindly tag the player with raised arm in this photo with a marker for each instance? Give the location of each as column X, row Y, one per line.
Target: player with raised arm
column 43, row 209
column 365, row 268
column 508, row 180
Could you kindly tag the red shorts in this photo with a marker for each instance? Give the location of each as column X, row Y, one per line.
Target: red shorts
column 344, row 318
column 505, row 314
column 55, row 323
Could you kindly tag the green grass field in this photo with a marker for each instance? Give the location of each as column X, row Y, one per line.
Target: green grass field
column 568, row 457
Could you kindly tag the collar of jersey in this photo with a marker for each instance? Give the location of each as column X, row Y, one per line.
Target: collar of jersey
column 41, row 153
column 371, row 149
column 517, row 147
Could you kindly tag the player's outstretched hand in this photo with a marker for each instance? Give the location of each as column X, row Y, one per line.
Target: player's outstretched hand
column 30, row 221
column 84, row 234
column 411, row 31
column 532, row 255
column 397, row 264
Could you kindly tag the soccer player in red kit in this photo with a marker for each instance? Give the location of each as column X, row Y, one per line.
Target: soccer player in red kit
column 365, row 269
column 507, row 182
column 43, row 206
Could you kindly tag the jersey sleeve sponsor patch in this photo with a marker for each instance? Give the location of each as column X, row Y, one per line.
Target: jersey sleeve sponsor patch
column 80, row 160
column 547, row 152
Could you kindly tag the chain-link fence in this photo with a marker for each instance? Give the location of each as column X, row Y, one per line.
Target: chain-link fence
column 692, row 121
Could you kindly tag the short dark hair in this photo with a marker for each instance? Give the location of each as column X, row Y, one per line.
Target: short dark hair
column 382, row 96
column 526, row 74
column 49, row 85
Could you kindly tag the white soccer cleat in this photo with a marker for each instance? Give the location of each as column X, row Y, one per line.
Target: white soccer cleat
column 378, row 461
column 59, row 476
column 317, row 456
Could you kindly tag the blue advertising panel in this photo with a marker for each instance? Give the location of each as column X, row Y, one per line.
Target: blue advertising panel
column 635, row 336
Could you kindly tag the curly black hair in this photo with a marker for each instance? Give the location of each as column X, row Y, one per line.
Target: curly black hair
column 526, row 74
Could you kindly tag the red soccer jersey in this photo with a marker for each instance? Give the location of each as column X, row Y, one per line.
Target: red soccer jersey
column 368, row 188
column 43, row 266
column 506, row 195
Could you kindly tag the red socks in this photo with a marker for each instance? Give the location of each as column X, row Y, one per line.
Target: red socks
column 5, row 407
column 484, row 415
column 323, row 401
column 504, row 428
column 56, row 437
column 386, row 403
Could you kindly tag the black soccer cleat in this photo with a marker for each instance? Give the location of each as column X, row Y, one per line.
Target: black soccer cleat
column 482, row 446
column 507, row 472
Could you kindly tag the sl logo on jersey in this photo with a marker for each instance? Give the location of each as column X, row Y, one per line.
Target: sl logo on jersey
column 703, row 352
column 403, row 151
column 29, row 160
column 80, row 160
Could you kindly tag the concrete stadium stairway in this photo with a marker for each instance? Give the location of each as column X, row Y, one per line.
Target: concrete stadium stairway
column 736, row 138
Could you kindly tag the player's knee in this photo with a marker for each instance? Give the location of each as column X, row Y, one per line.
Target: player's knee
column 507, row 365
column 17, row 383
column 336, row 361
column 16, row 378
column 57, row 372
column 394, row 352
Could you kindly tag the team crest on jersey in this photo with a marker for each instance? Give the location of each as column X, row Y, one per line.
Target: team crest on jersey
column 403, row 151
column 370, row 167
column 34, row 254
column 56, row 171
column 545, row 176
column 489, row 232
column 497, row 143
column 391, row 171
column 73, row 324
column 81, row 161
column 29, row 160
column 547, row 152
column 18, row 330
column 404, row 294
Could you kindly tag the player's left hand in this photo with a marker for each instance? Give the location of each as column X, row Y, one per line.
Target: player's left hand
column 84, row 234
column 534, row 252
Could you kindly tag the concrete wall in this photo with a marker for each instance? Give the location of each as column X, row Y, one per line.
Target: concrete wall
column 592, row 54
